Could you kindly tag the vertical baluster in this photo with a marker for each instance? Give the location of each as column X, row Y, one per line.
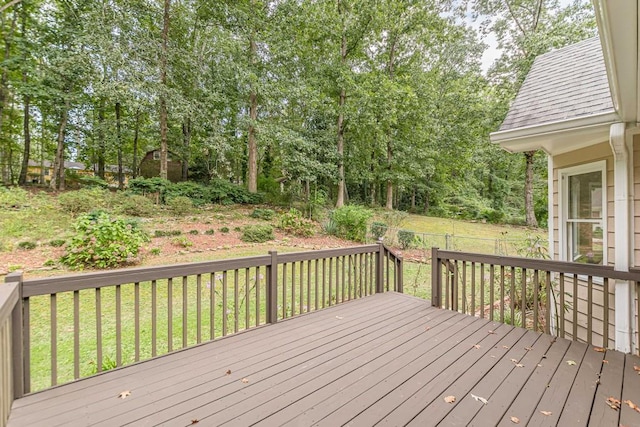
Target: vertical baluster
column 258, row 302
column 387, row 269
column 185, row 304
column 562, row 304
column 547, row 318
column 454, row 298
column 308, row 286
column 26, row 351
column 212, row 306
column 524, row 298
column 512, row 296
column 324, row 282
column 482, row 290
column 330, row 282
column 317, row 289
column 235, row 300
column 349, row 274
column 366, row 274
column 247, row 298
column 199, row 308
column 284, row 290
column 224, row 304
column 293, row 289
column 154, row 319
column 605, row 317
column 502, row 295
column 590, row 309
column 136, row 320
column 473, row 289
column 344, row 265
column 76, row 334
column 118, row 326
column 54, row 340
column 464, row 287
column 536, row 288
column 575, row 307
column 169, row 314
column 447, row 285
column 492, row 286
column 301, row 287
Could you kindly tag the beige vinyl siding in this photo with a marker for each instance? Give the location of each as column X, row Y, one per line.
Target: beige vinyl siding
column 636, row 199
column 587, row 155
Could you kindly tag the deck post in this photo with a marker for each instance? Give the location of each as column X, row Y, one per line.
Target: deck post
column 272, row 288
column 399, row 275
column 436, row 276
column 380, row 268
column 17, row 336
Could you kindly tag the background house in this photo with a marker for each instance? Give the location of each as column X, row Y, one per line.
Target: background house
column 150, row 166
column 580, row 104
column 41, row 172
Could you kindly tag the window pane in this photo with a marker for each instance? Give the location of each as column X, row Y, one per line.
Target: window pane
column 585, row 196
column 586, row 242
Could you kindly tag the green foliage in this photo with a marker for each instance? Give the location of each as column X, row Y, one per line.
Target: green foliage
column 56, row 243
column 293, row 222
column 103, row 242
column 261, row 213
column 378, row 230
column 198, row 194
column 136, row 205
column 80, row 201
column 351, row 222
column 224, row 229
column 49, row 263
column 210, row 232
column 225, row 192
column 92, row 182
column 180, row 205
column 330, row 227
column 155, row 251
column 163, row 233
column 194, row 232
column 406, row 238
column 257, row 233
column 182, row 241
column 13, row 198
column 143, row 186
column 27, row 245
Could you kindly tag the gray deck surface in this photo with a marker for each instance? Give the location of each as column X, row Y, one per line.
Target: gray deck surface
column 389, row 359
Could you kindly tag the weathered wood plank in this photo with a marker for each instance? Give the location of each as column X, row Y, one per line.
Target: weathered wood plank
column 610, row 386
column 630, row 391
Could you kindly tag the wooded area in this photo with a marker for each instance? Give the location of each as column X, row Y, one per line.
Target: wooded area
column 380, row 102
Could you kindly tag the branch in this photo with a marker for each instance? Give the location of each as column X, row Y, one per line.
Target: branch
column 8, row 5
column 515, row 19
column 537, row 17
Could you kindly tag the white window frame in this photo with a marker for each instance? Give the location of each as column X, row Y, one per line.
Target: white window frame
column 563, row 198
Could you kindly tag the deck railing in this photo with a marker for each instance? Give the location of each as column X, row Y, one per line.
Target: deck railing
column 10, row 386
column 79, row 325
column 569, row 300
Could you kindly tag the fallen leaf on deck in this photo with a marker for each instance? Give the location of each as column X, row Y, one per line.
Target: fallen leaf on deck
column 605, row 361
column 124, row 394
column 547, row 413
column 528, row 348
column 505, row 346
column 245, row 380
column 599, row 349
column 480, row 399
column 515, row 420
column 632, row 405
column 491, row 332
column 228, row 372
column 476, row 346
column 195, row 421
column 519, row 365
column 613, row 403
column 339, row 317
column 426, row 328
column 571, row 362
column 637, row 369
column 514, row 360
column 450, row 399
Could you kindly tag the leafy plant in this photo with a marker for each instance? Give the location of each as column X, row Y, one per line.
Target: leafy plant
column 155, row 251
column 294, row 223
column 27, row 245
column 194, row 232
column 182, row 241
column 330, row 227
column 13, row 198
column 180, row 205
column 260, row 213
column 257, row 233
column 378, row 230
column 406, row 238
column 103, row 242
column 80, row 201
column 92, row 182
column 136, row 205
column 56, row 243
column 224, row 229
column 210, row 232
column 351, row 222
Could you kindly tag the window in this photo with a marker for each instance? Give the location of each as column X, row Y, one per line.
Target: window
column 583, row 201
column 156, row 155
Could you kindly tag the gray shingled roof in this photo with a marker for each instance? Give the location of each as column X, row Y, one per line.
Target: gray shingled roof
column 563, row 84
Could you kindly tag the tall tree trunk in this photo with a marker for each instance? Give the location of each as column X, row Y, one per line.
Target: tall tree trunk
column 136, row 132
column 163, row 100
column 102, row 148
column 57, row 174
column 528, row 190
column 186, row 140
column 341, row 104
column 252, row 166
column 27, row 136
column 5, row 71
column 413, row 199
column 390, row 69
column 42, row 150
column 119, row 142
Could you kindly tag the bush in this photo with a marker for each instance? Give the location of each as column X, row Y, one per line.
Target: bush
column 194, row 232
column 330, row 227
column 27, row 245
column 13, row 198
column 180, row 205
column 81, row 201
column 225, row 192
column 266, row 214
column 378, row 230
column 210, row 232
column 198, row 194
column 224, row 229
column 135, row 205
column 103, row 242
column 56, row 243
column 182, row 242
column 92, row 182
column 257, row 233
column 351, row 222
column 143, row 186
column 294, row 223
column 406, row 238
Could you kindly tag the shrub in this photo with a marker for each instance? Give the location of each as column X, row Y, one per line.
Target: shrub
column 49, row 263
column 210, row 232
column 257, row 233
column 56, row 243
column 225, row 192
column 81, row 201
column 406, row 238
column 378, row 230
column 294, row 223
column 143, row 186
column 237, row 229
column 27, row 245
column 155, row 251
column 92, row 182
column 224, row 229
column 103, row 242
column 180, row 205
column 182, row 242
column 198, row 194
column 351, row 222
column 330, row 227
column 136, row 205
column 13, row 198
column 194, row 232
column 159, row 233
column 266, row 214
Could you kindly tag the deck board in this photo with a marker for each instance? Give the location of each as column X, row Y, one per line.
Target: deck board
column 388, row 359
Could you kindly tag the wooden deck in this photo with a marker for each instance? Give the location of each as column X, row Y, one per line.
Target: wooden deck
column 389, row 359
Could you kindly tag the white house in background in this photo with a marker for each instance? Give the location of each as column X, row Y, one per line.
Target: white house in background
column 581, row 105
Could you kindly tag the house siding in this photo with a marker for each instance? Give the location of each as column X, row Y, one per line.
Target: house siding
column 587, row 155
column 636, row 200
